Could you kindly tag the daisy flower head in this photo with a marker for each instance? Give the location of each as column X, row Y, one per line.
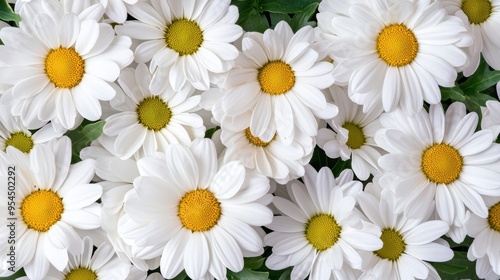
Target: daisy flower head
column 195, row 214
column 53, row 200
column 186, row 41
column 278, row 77
column 407, row 242
column 439, row 157
column 352, row 135
column 483, row 19
column 486, row 234
column 396, row 53
column 319, row 231
column 101, row 264
column 275, row 159
column 14, row 133
column 62, row 68
column 147, row 122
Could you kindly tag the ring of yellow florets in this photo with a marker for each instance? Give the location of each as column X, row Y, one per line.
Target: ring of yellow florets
column 441, row 163
column 41, row 209
column 64, row 67
column 199, row 210
column 184, row 36
column 397, row 45
column 322, row 231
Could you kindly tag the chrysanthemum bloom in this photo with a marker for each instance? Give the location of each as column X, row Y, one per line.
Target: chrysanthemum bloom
column 116, row 177
column 408, row 243
column 147, row 122
column 319, row 230
column 274, row 158
column 394, row 54
column 14, row 133
column 53, row 199
column 196, row 215
column 483, row 19
column 438, row 157
column 59, row 68
column 352, row 135
column 486, row 234
column 278, row 79
column 186, row 41
column 101, row 264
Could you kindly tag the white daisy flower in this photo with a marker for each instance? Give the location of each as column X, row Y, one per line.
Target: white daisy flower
column 279, row 79
column 393, row 54
column 352, row 135
column 116, row 177
column 147, row 122
column 482, row 17
column 14, row 133
column 101, row 264
column 320, row 230
column 407, row 243
column 274, row 158
column 53, row 199
column 186, row 41
column 486, row 234
column 433, row 156
column 61, row 70
column 193, row 213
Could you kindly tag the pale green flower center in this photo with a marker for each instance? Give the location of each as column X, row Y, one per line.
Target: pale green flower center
column 184, row 36
column 478, row 11
column 81, row 274
column 153, row 113
column 393, row 245
column 397, row 45
column 322, row 231
column 20, row 141
column 355, row 138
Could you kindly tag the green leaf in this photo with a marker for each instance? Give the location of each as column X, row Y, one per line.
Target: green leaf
column 250, row 18
column 254, row 263
column 16, row 275
column 82, row 136
column 457, row 268
column 454, row 93
column 276, row 18
column 211, row 131
column 247, row 274
column 301, row 19
column 6, row 12
column 285, row 6
column 180, row 276
column 481, row 80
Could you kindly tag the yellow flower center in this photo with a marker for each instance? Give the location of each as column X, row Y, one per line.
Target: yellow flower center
column 356, row 138
column 20, row 141
column 81, row 274
column 478, row 11
column 494, row 217
column 397, row 45
column 199, row 210
column 322, row 231
column 184, row 36
column 393, row 245
column 254, row 140
column 64, row 67
column 41, row 210
column 442, row 163
column 276, row 77
column 153, row 113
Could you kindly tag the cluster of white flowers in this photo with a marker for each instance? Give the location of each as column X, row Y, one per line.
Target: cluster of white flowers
column 151, row 193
